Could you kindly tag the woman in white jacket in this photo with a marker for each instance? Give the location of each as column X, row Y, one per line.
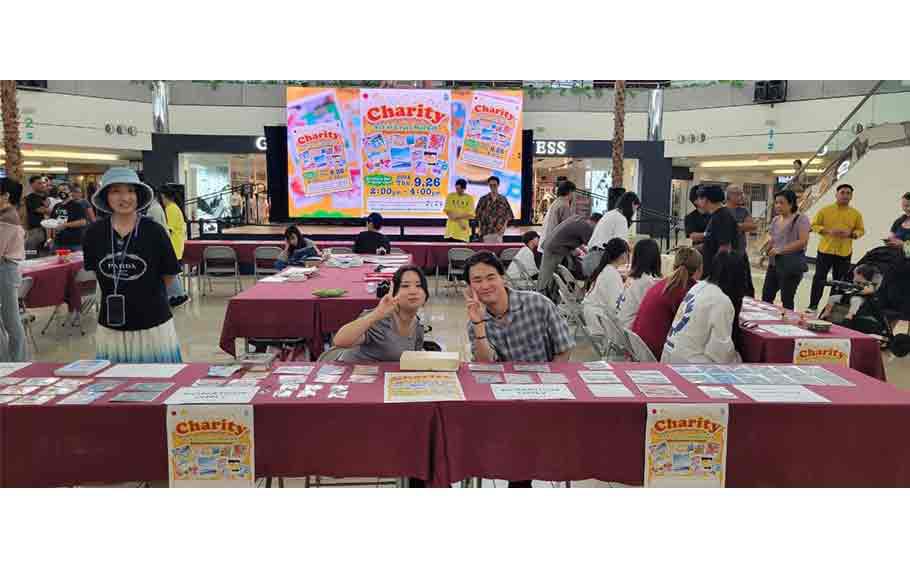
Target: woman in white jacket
column 605, row 285
column 645, row 272
column 614, row 224
column 706, row 326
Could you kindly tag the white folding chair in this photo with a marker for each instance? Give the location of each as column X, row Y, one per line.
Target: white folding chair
column 617, row 346
column 87, row 283
column 576, row 287
column 641, row 353
column 506, row 256
column 27, row 317
column 221, row 262
column 571, row 309
column 264, row 260
column 457, row 257
column 524, row 280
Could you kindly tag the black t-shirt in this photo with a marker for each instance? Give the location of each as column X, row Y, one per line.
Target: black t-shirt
column 696, row 222
column 368, row 241
column 721, row 230
column 34, row 201
column 149, row 256
column 67, row 213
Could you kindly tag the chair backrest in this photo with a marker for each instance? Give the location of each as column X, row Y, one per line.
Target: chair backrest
column 341, row 250
column 508, row 255
column 614, row 334
column 25, row 287
column 218, row 252
column 524, row 280
column 266, row 253
column 460, row 254
column 565, row 294
column 567, row 276
column 333, row 354
column 640, row 349
column 396, row 250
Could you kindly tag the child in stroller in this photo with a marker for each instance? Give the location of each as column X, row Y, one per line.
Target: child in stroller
column 847, row 300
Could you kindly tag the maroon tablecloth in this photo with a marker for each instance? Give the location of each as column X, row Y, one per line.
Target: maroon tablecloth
column 53, row 284
column 856, row 441
column 108, row 442
column 765, row 347
column 427, row 255
column 289, row 309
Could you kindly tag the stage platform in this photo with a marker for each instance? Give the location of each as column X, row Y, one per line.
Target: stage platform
column 347, row 233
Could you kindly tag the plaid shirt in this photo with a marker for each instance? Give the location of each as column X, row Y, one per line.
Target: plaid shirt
column 493, row 214
column 532, row 330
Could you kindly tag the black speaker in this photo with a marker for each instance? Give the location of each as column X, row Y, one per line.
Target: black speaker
column 770, row 92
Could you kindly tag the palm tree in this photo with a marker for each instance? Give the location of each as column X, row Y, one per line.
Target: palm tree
column 9, row 110
column 619, row 130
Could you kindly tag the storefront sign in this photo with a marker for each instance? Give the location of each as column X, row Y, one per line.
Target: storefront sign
column 550, row 147
column 261, row 144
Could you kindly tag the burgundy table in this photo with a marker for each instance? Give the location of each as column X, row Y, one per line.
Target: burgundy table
column 53, row 284
column 289, row 309
column 765, row 347
column 855, row 441
column 51, row 445
column 427, row 255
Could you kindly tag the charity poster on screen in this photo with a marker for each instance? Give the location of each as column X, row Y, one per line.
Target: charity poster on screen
column 210, row 445
column 398, row 152
column 686, row 445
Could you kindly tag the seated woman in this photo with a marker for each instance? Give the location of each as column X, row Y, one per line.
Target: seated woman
column 644, row 274
column 605, row 285
column 392, row 327
column 900, row 230
column 296, row 248
column 706, row 322
column 658, row 307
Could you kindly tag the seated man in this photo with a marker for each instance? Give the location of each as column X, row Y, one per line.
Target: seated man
column 525, row 258
column 372, row 241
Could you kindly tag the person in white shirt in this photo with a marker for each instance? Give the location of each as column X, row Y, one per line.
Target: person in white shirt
column 706, row 327
column 558, row 211
column 645, row 272
column 614, row 224
column 605, row 285
column 525, row 258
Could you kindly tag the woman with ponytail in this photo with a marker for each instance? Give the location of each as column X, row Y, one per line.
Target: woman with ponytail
column 605, row 286
column 658, row 307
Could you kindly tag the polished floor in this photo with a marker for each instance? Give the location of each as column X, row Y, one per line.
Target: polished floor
column 199, row 328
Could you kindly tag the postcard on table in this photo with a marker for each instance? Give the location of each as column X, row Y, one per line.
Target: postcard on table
column 610, row 391
column 780, row 393
column 422, row 387
column 142, row 371
column 717, row 392
column 9, row 368
column 599, row 377
column 137, row 396
column 661, row 391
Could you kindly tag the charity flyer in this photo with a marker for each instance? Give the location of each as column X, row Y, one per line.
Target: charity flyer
column 490, row 131
column 210, row 446
column 422, row 387
column 405, row 149
column 321, row 158
column 821, row 352
column 686, row 445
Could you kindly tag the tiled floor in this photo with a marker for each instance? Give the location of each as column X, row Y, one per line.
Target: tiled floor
column 199, row 328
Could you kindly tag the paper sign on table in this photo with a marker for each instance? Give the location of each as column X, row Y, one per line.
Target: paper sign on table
column 780, row 393
column 787, row 330
column 532, row 392
column 821, row 351
column 610, row 391
column 142, row 371
column 422, row 387
column 686, row 445
column 216, row 395
column 210, row 446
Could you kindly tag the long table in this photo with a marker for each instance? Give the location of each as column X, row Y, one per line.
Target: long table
column 53, row 283
column 427, row 255
column 761, row 346
column 289, row 309
column 854, row 441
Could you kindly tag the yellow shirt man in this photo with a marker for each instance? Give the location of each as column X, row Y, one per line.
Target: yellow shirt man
column 838, row 226
column 176, row 225
column 459, row 209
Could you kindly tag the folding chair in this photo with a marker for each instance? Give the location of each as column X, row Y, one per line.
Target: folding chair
column 524, row 280
column 618, row 348
column 264, row 261
column 87, row 283
column 221, row 262
column 507, row 256
column 457, row 257
column 641, row 353
column 27, row 317
column 575, row 286
column 571, row 309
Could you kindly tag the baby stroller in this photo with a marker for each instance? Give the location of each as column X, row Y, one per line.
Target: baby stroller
column 890, row 303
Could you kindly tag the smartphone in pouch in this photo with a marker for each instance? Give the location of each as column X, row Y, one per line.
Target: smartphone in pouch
column 116, row 310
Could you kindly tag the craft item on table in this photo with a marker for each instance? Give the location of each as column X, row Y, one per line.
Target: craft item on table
column 786, row 330
column 32, row 400
column 648, row 378
column 223, row 371
column 217, row 395
column 149, row 387
column 285, row 391
column 82, row 397
column 718, row 392
column 309, row 391
column 599, row 377
column 519, row 379
column 597, row 365
column 38, row 382
column 292, row 379
column 339, row 391
column 5, row 398
column 431, row 361
column 486, row 367
column 531, row 368
column 136, row 396
column 9, row 368
column 326, row 369
column 327, row 378
column 365, row 370
column 363, row 378
column 487, row 378
column 19, row 390
column 661, row 391
column 210, row 382
column 246, row 383
column 553, row 378
column 329, row 292
column 294, row 369
column 610, row 390
column 82, row 368
column 259, row 361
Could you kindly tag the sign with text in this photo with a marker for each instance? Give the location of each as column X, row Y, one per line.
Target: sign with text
column 686, row 445
column 821, row 352
column 210, row 446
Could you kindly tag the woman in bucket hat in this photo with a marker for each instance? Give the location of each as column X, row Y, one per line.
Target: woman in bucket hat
column 134, row 262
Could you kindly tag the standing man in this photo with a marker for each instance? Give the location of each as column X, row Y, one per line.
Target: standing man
column 71, row 215
column 839, row 225
column 745, row 224
column 696, row 222
column 459, row 209
column 722, row 232
column 493, row 213
column 559, row 210
column 37, row 208
column 799, row 183
column 565, row 239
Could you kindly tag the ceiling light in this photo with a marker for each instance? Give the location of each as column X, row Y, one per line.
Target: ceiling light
column 746, row 163
column 69, row 155
column 790, row 172
column 25, row 163
column 50, row 170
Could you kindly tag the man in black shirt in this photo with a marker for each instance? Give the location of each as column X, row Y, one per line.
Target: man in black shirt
column 696, row 222
column 722, row 232
column 372, row 241
column 36, row 208
column 73, row 219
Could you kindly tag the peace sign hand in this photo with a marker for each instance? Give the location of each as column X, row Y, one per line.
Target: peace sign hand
column 474, row 307
column 387, row 305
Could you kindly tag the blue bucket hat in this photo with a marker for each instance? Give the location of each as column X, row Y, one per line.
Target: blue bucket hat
column 144, row 193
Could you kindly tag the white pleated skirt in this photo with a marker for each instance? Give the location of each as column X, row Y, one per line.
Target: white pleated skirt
column 155, row 345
